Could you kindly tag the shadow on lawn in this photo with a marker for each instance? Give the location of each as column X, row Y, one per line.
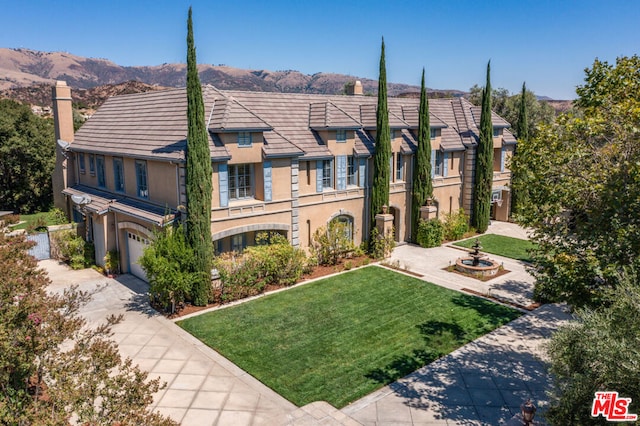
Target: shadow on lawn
column 435, row 334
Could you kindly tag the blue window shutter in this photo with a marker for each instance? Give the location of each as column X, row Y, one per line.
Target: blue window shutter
column 223, row 177
column 266, row 167
column 319, row 176
column 502, row 155
column 433, row 163
column 391, row 168
column 362, row 179
column 342, row 171
column 445, row 164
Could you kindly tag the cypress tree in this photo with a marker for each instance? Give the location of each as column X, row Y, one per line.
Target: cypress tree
column 522, row 133
column 382, row 154
column 484, row 163
column 198, row 185
column 422, row 184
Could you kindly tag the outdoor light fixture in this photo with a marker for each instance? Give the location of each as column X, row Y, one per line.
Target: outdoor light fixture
column 528, row 412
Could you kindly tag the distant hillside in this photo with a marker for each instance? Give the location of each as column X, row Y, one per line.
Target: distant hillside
column 83, row 99
column 24, row 67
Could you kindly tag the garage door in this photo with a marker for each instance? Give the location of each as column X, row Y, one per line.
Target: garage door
column 135, row 248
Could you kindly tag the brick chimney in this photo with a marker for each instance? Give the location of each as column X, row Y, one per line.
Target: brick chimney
column 354, row 88
column 63, row 123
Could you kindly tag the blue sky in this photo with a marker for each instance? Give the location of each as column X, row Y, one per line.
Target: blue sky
column 546, row 43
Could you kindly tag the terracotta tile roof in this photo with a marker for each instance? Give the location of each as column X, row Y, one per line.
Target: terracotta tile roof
column 326, row 115
column 155, row 124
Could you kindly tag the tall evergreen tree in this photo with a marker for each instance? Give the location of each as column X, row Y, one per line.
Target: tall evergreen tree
column 522, row 133
column 199, row 185
column 382, row 155
column 422, row 184
column 484, row 163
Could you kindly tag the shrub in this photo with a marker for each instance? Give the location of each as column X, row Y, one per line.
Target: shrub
column 11, row 219
column 40, row 224
column 381, row 246
column 57, row 217
column 278, row 262
column 168, row 263
column 239, row 275
column 72, row 249
column 456, row 225
column 332, row 243
column 430, row 233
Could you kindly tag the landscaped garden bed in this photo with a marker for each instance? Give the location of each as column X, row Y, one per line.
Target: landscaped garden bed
column 340, row 338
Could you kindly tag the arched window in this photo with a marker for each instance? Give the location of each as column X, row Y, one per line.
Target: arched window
column 348, row 221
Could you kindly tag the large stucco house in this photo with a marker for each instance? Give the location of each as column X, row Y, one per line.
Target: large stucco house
column 283, row 162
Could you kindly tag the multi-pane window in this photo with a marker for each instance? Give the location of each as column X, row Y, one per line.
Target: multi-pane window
column 100, row 170
column 352, row 171
column 240, row 181
column 92, row 164
column 341, row 135
column 81, row 162
column 434, row 133
column 392, row 134
column 118, row 174
column 497, row 132
column 327, row 173
column 141, row 179
column 347, row 221
column 439, row 170
column 238, row 242
column 399, row 168
column 244, row 139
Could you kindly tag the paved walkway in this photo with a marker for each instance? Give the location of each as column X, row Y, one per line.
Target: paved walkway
column 481, row 383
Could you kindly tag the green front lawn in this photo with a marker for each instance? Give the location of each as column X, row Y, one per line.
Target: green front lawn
column 341, row 338
column 514, row 248
column 36, row 220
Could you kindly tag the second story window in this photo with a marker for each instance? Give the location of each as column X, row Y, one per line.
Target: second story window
column 100, row 170
column 392, row 134
column 81, row 162
column 434, row 133
column 352, row 171
column 92, row 164
column 341, row 136
column 439, row 169
column 496, row 132
column 141, row 179
column 118, row 174
column 399, row 167
column 244, row 139
column 240, row 181
column 327, row 174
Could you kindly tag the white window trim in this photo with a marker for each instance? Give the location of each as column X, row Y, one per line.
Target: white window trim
column 245, row 139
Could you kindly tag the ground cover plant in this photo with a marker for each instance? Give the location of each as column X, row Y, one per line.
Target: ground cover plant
column 514, row 248
column 342, row 337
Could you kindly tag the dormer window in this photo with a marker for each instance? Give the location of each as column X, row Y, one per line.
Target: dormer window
column 341, row 136
column 244, row 139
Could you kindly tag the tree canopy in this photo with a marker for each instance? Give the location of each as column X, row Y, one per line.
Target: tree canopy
column 422, row 184
column 199, row 184
column 27, row 150
column 382, row 154
column 579, row 181
column 52, row 366
column 484, row 163
column 508, row 107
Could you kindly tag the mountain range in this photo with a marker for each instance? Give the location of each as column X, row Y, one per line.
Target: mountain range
column 24, row 72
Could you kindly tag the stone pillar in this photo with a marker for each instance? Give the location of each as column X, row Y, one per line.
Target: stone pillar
column 428, row 212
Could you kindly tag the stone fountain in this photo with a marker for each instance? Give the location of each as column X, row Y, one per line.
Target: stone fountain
column 477, row 264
